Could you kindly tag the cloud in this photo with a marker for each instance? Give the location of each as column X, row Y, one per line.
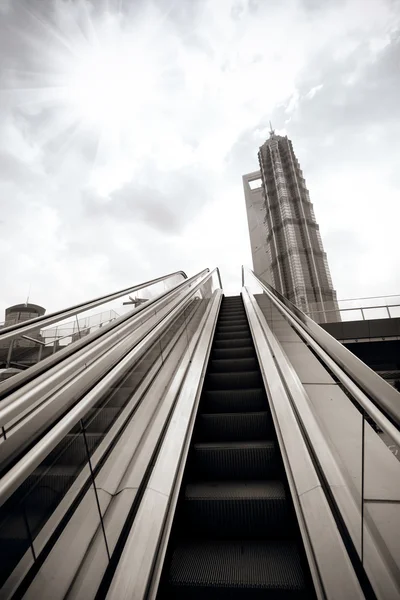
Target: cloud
column 94, row 200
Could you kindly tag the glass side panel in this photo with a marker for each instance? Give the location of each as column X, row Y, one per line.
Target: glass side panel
column 27, row 511
column 25, row 351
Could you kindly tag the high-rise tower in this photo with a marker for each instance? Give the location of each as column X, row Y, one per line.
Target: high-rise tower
column 284, row 235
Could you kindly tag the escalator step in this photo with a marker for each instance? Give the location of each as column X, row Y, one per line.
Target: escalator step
column 236, row 510
column 218, row 401
column 235, row 343
column 228, row 321
column 72, row 449
column 228, row 326
column 234, row 329
column 47, row 482
column 100, row 419
column 230, row 460
column 232, row 427
column 233, row 353
column 245, row 569
column 232, row 381
column 120, row 396
column 229, row 365
column 233, row 313
column 232, row 335
column 232, row 307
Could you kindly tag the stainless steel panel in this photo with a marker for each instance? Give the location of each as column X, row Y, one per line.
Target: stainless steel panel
column 332, row 578
column 308, row 368
column 134, row 570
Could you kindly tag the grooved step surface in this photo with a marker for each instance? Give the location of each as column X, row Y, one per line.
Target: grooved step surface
column 224, row 353
column 100, row 419
column 229, row 460
column 267, row 565
column 228, row 328
column 227, row 365
column 233, row 335
column 46, row 483
column 232, row 380
column 232, row 427
column 240, row 400
column 72, row 449
column 237, row 509
column 234, row 533
column 236, row 343
column 228, row 321
column 239, row 490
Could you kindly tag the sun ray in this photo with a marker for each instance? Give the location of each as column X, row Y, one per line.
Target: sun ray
column 94, row 74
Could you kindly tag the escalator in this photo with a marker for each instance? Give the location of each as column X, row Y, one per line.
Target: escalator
column 235, row 534
column 160, row 474
column 24, row 515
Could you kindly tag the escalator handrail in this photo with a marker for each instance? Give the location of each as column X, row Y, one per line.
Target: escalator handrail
column 359, row 380
column 16, row 382
column 19, row 329
column 24, row 397
column 24, row 467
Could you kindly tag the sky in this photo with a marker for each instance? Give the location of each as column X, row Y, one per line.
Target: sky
column 126, row 127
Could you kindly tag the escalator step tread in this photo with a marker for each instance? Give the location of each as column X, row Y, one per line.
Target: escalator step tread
column 226, row 320
column 231, row 460
column 242, row 400
column 231, row 326
column 272, row 565
column 227, row 365
column 72, row 449
column 100, row 419
column 233, row 380
column 234, row 343
column 239, row 490
column 237, row 510
column 249, row 426
column 224, row 353
column 55, row 471
column 232, row 335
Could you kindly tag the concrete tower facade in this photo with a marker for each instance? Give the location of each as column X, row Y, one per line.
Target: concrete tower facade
column 284, row 235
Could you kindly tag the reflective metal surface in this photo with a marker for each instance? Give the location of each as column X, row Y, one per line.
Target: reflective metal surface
column 383, row 394
column 332, row 571
column 351, row 437
column 134, row 569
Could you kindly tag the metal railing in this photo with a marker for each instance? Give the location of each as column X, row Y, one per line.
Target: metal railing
column 363, row 309
column 372, row 385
